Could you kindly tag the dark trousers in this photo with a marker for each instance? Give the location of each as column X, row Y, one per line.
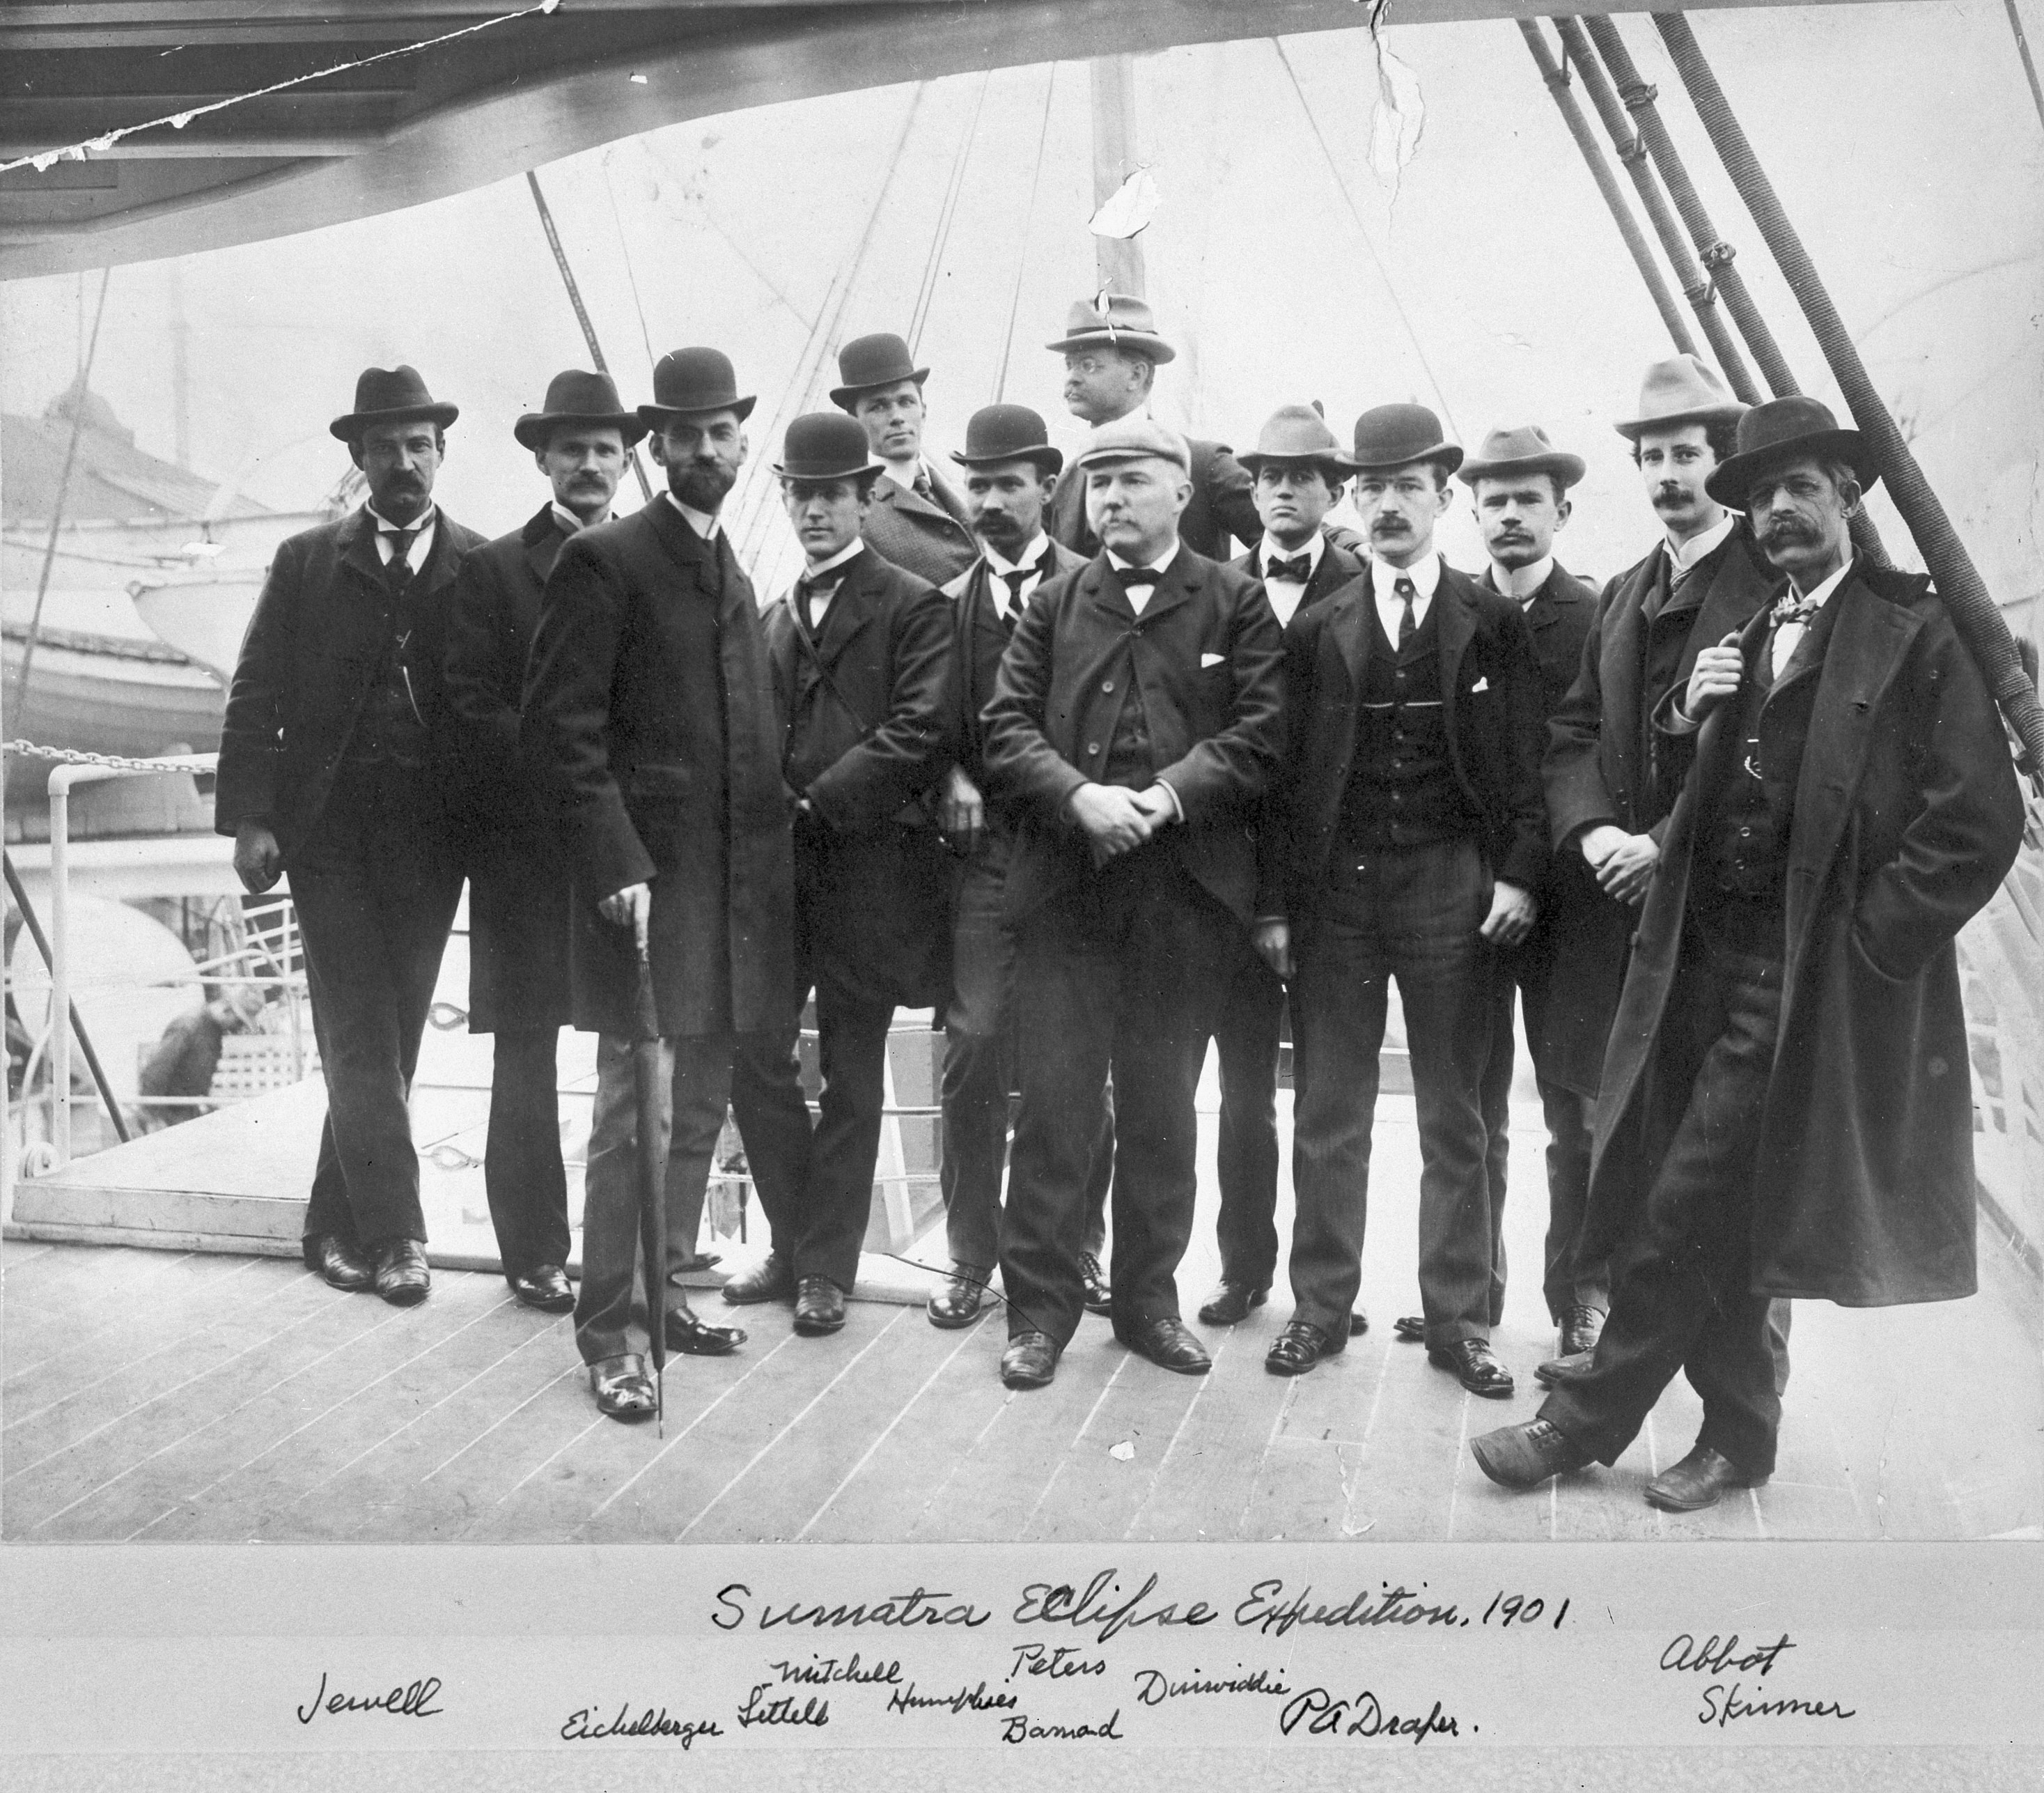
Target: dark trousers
column 1682, row 1295
column 1526, row 973
column 1411, row 913
column 521, row 1155
column 979, row 1071
column 1247, row 1037
column 375, row 884
column 756, row 1076
column 1124, row 974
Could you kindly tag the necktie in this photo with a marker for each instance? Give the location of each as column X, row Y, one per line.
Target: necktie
column 1012, row 608
column 920, row 485
column 1790, row 618
column 807, row 588
column 1298, row 568
column 1406, row 592
column 397, row 571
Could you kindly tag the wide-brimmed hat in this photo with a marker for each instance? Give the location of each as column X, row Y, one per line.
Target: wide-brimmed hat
column 576, row 397
column 1113, row 321
column 1525, row 450
column 1135, row 438
column 1397, row 435
column 390, row 395
column 998, row 432
column 1298, row 435
column 866, row 362
column 826, row 445
column 688, row 382
column 1679, row 391
column 1784, row 429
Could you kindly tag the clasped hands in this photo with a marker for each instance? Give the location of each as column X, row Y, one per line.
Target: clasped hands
column 1117, row 820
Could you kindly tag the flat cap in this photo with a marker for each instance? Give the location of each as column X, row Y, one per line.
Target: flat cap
column 1136, row 438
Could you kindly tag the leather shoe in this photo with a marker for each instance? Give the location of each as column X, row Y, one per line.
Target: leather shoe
column 1166, row 1343
column 1230, row 1303
column 1359, row 1324
column 1470, row 1359
column 622, row 1387
column 1030, row 1360
column 1553, row 1370
column 402, row 1276
column 1524, row 1455
column 1410, row 1328
column 1098, row 1298
column 1298, row 1348
column 959, row 1302
column 1582, row 1327
column 546, row 1287
column 819, row 1306
column 1698, row 1481
column 772, row 1278
column 338, row 1262
column 687, row 1333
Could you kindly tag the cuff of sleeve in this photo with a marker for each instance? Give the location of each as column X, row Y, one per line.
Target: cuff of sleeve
column 1177, row 808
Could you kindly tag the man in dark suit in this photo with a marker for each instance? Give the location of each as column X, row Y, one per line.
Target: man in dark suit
column 649, row 703
column 1133, row 728
column 916, row 521
column 1415, row 843
column 1520, row 487
column 337, row 756
column 862, row 656
column 1112, row 355
column 517, row 875
column 1299, row 469
column 1009, row 468
column 1786, row 1110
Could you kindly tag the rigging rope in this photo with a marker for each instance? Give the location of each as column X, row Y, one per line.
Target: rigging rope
column 933, row 267
column 2023, row 50
column 1022, row 256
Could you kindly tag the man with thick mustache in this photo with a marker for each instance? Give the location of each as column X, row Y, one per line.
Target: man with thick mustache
column 1787, row 1111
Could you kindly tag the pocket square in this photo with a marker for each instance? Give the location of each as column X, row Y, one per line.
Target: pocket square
column 1480, row 685
column 1207, row 660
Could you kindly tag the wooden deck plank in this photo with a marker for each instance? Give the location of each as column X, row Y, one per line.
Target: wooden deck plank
column 1204, row 1484
column 1095, row 1494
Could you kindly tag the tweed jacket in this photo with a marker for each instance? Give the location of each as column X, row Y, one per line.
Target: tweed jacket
column 929, row 539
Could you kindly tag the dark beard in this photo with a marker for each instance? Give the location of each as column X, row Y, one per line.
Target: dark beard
column 699, row 487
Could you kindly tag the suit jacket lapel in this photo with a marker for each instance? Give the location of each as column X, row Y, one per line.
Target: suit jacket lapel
column 1453, row 626
column 849, row 611
column 358, row 548
column 542, row 538
column 676, row 535
column 1102, row 586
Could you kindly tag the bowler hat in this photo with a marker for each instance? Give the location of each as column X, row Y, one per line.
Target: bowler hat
column 1113, row 321
column 688, row 382
column 998, row 432
column 1525, row 450
column 867, row 363
column 1136, row 438
column 1795, row 428
column 1397, row 435
column 825, row 445
column 574, row 397
column 390, row 395
column 1298, row 434
column 1679, row 391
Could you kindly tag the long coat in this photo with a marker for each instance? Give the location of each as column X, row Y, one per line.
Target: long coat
column 870, row 706
column 1600, row 764
column 1208, row 656
column 1490, row 699
column 979, row 639
column 517, row 875
column 1223, row 502
column 930, row 541
column 650, row 701
column 1906, row 818
column 321, row 629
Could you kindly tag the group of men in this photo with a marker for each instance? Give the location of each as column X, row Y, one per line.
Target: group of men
column 1021, row 743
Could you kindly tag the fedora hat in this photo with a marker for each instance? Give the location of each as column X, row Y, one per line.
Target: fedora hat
column 1397, row 435
column 687, row 382
column 1784, row 429
column 1298, row 434
column 866, row 362
column 826, row 445
column 1524, row 450
column 1113, row 321
column 390, row 395
column 998, row 432
column 1679, row 391
column 1136, row 438
column 576, row 397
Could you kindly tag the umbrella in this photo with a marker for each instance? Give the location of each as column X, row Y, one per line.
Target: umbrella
column 651, row 1071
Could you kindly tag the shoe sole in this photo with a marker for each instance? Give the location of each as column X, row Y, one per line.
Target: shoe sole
column 750, row 1299
column 1278, row 1366
column 404, row 1298
column 1667, row 1503
column 1176, row 1369
column 705, row 1350
column 952, row 1322
column 349, row 1286
column 1025, row 1382
column 1489, row 1391
column 819, row 1328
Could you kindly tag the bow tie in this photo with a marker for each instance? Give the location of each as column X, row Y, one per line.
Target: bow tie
column 1140, row 575
column 1793, row 609
column 1299, row 568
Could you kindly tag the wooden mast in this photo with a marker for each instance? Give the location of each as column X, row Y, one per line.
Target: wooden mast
column 1117, row 260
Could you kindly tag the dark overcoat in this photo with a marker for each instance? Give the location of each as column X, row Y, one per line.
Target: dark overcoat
column 1223, row 503
column 650, row 702
column 321, row 629
column 1599, row 766
column 1208, row 656
column 870, row 707
column 518, row 875
column 1906, row 818
column 979, row 639
column 1490, row 697
column 929, row 539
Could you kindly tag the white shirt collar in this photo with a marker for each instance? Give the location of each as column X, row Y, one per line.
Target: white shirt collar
column 1824, row 591
column 570, row 523
column 1425, row 575
column 1161, row 564
column 423, row 521
column 1032, row 556
column 1522, row 583
column 703, row 522
column 1269, row 549
column 1684, row 555
column 850, row 551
